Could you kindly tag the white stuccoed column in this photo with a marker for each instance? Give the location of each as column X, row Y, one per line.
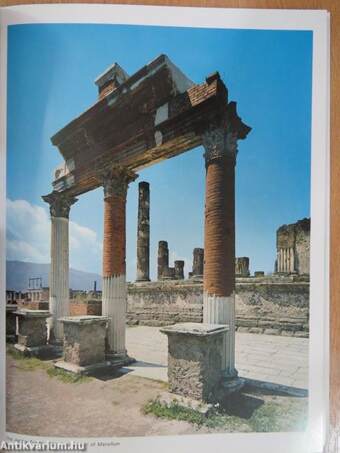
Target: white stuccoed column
column 114, row 307
column 59, row 272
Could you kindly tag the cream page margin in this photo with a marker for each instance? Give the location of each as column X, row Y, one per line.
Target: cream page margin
column 314, row 439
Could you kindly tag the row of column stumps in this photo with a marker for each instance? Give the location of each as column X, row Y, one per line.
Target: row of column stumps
column 164, row 272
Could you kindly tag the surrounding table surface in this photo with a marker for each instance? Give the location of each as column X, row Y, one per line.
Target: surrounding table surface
column 334, row 7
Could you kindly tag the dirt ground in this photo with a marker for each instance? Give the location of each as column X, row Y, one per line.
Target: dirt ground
column 110, row 406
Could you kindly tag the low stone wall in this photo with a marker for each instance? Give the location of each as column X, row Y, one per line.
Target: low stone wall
column 276, row 306
column 165, row 302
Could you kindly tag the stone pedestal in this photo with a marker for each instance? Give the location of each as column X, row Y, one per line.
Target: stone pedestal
column 84, row 343
column 11, row 322
column 32, row 331
column 195, row 360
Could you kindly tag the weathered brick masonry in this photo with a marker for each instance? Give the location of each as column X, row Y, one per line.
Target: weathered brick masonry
column 219, row 245
column 114, row 235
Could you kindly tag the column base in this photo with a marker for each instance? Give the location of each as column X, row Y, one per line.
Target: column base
column 85, row 369
column 34, row 351
column 232, row 385
column 57, row 346
column 119, row 359
column 54, row 340
column 229, row 375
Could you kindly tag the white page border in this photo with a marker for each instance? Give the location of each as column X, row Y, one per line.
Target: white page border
column 317, row 21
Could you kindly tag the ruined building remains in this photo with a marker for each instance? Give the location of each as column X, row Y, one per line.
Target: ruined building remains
column 293, row 245
column 242, row 267
column 138, row 120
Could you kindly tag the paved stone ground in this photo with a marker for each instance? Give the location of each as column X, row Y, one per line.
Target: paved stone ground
column 276, row 359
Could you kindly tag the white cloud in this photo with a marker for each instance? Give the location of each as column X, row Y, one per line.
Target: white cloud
column 28, row 237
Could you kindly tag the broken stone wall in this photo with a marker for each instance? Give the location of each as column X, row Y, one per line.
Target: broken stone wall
column 294, row 237
column 263, row 305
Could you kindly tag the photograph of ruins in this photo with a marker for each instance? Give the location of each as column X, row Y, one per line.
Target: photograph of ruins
column 158, row 230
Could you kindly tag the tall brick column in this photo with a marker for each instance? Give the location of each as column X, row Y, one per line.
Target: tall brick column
column 143, row 233
column 59, row 272
column 219, row 237
column 114, row 253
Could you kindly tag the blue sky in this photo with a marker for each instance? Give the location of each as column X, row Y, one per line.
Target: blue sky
column 51, row 72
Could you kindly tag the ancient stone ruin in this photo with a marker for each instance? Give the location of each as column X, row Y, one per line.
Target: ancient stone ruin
column 242, row 267
column 139, row 120
column 293, row 245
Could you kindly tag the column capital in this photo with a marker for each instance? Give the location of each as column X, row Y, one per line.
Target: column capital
column 116, row 180
column 219, row 143
column 60, row 203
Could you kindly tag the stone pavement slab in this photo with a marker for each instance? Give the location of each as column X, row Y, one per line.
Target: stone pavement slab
column 275, row 359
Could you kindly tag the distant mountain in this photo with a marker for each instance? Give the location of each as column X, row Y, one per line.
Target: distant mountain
column 18, row 273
